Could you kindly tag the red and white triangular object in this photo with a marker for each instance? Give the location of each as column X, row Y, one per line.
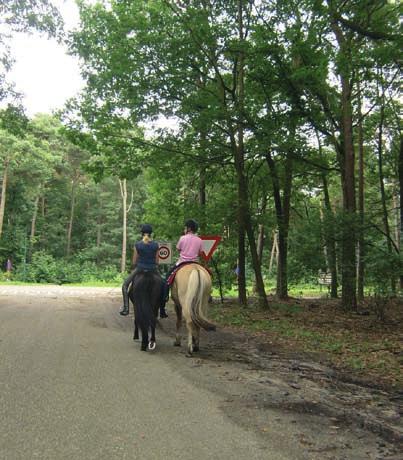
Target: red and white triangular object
column 210, row 244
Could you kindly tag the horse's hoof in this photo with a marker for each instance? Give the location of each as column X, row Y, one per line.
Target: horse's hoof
column 143, row 348
column 151, row 345
column 189, row 355
column 136, row 337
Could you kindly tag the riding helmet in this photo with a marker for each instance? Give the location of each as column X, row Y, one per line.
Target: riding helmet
column 192, row 224
column 146, row 228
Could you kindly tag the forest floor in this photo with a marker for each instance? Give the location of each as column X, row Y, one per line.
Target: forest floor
column 359, row 345
column 306, row 357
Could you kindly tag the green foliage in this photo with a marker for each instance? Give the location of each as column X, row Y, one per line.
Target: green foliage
column 14, row 120
column 44, row 268
column 382, row 267
column 146, row 62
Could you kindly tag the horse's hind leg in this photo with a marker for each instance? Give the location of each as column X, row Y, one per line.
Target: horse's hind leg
column 136, row 330
column 191, row 335
column 178, row 337
column 196, row 338
column 152, row 342
column 144, row 340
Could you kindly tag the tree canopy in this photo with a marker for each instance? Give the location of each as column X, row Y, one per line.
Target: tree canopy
column 279, row 129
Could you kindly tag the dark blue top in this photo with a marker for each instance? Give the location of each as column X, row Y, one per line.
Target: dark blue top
column 146, row 255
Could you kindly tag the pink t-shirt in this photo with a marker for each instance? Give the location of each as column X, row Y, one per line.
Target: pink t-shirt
column 189, row 246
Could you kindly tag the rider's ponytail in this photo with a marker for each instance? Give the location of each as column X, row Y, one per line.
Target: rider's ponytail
column 146, row 238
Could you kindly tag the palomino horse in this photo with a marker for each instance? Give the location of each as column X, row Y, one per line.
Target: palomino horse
column 145, row 293
column 191, row 291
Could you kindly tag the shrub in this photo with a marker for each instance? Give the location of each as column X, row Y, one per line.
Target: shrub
column 44, row 268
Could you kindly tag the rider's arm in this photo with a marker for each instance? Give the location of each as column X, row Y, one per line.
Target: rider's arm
column 201, row 248
column 135, row 257
column 179, row 245
column 201, row 259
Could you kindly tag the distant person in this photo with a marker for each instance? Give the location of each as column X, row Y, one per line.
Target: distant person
column 236, row 271
column 145, row 257
column 9, row 267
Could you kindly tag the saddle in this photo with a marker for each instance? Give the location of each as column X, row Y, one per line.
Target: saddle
column 171, row 277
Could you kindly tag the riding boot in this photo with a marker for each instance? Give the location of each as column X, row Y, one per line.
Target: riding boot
column 124, row 310
column 163, row 313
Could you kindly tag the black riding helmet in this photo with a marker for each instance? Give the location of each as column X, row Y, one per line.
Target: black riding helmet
column 146, row 228
column 192, row 225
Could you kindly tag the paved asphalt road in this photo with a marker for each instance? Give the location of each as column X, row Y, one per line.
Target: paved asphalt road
column 73, row 385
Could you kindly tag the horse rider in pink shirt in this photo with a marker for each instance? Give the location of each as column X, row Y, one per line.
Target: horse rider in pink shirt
column 189, row 246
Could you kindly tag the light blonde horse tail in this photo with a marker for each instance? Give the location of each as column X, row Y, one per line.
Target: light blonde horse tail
column 195, row 294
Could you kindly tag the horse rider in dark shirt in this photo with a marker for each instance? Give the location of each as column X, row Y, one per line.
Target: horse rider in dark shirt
column 145, row 257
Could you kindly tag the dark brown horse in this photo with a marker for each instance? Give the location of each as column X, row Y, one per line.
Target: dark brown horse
column 146, row 293
column 191, row 290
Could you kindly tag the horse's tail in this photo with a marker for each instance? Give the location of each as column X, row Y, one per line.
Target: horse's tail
column 197, row 286
column 142, row 295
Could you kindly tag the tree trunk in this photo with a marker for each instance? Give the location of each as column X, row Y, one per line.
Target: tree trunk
column 259, row 249
column 242, row 297
column 239, row 166
column 43, row 206
column 401, row 201
column 348, row 272
column 218, row 274
column 123, row 193
column 385, row 216
column 361, row 240
column 239, row 153
column 349, row 300
column 99, row 231
column 33, row 226
column 34, row 216
column 274, row 251
column 330, row 240
column 323, row 222
column 3, row 196
column 71, row 220
column 202, row 186
column 260, row 244
column 245, row 226
column 202, row 194
column 260, row 240
column 282, row 215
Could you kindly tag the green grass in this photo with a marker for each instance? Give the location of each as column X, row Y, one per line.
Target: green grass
column 355, row 363
column 96, row 284
column 84, row 284
column 297, row 290
column 18, row 283
column 280, row 326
